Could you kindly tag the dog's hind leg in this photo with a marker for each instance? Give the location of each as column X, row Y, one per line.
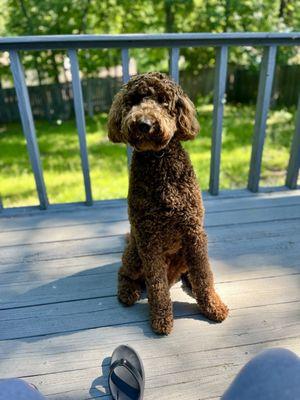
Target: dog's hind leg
column 130, row 274
column 201, row 277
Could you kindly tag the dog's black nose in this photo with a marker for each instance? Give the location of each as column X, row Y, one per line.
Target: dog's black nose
column 144, row 126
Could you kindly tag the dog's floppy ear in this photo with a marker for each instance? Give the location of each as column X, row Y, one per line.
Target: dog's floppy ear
column 115, row 118
column 187, row 124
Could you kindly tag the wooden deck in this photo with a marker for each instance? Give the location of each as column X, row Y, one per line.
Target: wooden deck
column 60, row 319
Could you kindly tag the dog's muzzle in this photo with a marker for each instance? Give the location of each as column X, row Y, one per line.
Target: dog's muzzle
column 144, row 126
column 148, row 126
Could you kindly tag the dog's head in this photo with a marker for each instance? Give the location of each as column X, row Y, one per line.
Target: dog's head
column 149, row 111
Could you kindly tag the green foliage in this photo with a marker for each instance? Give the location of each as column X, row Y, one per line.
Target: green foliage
column 61, row 161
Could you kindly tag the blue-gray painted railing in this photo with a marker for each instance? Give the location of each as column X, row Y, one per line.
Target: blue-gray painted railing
column 294, row 162
column 126, row 77
column 80, row 122
column 174, row 65
column 263, row 101
column 219, row 101
column 174, row 41
column 28, row 126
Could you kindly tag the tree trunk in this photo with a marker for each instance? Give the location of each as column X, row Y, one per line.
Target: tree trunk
column 169, row 22
column 55, row 67
column 169, row 14
column 282, row 6
column 227, row 14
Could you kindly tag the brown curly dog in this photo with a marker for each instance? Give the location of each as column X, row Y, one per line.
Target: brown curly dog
column 167, row 238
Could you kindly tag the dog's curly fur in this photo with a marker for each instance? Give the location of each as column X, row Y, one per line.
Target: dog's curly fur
column 167, row 237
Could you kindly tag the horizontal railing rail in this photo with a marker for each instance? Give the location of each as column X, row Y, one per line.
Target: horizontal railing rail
column 58, row 42
column 174, row 41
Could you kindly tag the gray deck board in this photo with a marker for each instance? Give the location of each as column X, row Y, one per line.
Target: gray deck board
column 99, row 222
column 69, row 278
column 117, row 210
column 60, row 319
column 65, row 317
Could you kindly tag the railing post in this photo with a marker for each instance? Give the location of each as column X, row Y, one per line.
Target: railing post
column 28, row 126
column 125, row 65
column 125, row 78
column 219, row 101
column 294, row 161
column 174, row 64
column 262, row 106
column 80, row 122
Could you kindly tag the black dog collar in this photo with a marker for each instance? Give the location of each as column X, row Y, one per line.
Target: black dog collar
column 156, row 154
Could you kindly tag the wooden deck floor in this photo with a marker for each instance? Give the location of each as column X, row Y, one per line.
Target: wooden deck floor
column 60, row 319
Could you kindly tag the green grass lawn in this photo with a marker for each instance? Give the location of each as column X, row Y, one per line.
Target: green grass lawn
column 59, row 149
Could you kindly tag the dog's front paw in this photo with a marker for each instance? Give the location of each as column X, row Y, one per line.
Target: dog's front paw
column 129, row 291
column 213, row 308
column 162, row 326
column 128, row 296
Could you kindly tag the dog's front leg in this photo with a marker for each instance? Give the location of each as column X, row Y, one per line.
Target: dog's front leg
column 161, row 314
column 129, row 284
column 201, row 276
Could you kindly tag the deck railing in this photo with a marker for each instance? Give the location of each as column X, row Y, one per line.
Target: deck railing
column 221, row 42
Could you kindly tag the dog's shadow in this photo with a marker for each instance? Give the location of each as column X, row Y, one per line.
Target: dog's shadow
column 94, row 291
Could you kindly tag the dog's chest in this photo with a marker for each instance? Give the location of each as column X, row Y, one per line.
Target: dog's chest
column 165, row 187
column 164, row 196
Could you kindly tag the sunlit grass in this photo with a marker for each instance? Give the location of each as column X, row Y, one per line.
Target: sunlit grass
column 59, row 150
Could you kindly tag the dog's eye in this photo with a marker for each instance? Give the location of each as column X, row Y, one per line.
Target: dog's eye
column 136, row 100
column 161, row 100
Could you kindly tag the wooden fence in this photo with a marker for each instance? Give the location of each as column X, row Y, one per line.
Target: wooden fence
column 55, row 101
column 221, row 42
